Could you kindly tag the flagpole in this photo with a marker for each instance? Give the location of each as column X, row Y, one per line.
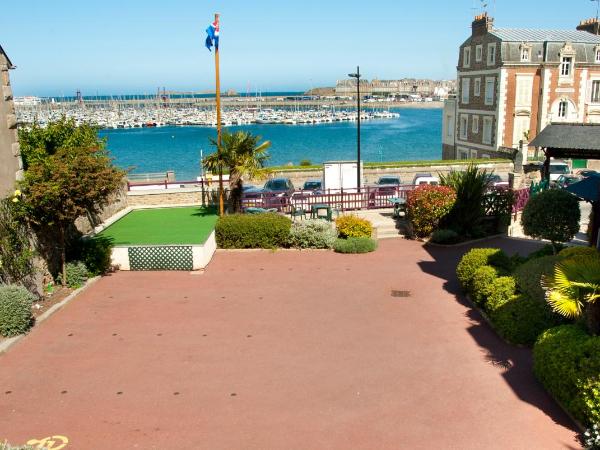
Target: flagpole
column 218, row 102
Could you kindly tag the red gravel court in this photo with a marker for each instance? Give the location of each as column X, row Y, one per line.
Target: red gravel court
column 284, row 350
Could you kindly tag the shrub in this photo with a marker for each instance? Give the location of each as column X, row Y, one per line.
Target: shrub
column 351, row 226
column 553, row 215
column 476, row 258
column 501, row 290
column 305, row 163
column 546, row 250
column 15, row 310
column 521, row 319
column 529, row 276
column 77, row 274
column 355, row 245
column 269, row 230
column 16, row 252
column 566, row 360
column 570, row 252
column 591, row 437
column 94, row 252
column 312, row 234
column 481, row 284
column 427, row 205
column 445, row 236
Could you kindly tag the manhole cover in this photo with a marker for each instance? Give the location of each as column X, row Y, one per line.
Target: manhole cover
column 403, row 294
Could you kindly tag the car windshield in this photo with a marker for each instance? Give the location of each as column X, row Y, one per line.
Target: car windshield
column 276, row 185
column 389, row 181
column 494, row 178
column 312, row 185
column 559, row 168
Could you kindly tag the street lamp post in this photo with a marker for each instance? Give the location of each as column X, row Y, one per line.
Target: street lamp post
column 357, row 76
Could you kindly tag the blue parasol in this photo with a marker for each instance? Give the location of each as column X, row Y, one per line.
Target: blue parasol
column 587, row 189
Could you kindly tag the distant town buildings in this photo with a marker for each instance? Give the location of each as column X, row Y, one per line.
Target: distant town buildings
column 407, row 87
column 513, row 82
column 10, row 159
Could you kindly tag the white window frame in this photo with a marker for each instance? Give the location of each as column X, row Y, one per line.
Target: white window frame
column 595, row 98
column 566, row 66
column 525, row 53
column 523, row 81
column 465, row 88
column 463, row 153
column 464, row 127
column 478, row 53
column 490, row 94
column 488, row 124
column 467, row 56
column 491, row 54
column 597, row 54
column 476, row 87
column 563, row 109
column 475, row 124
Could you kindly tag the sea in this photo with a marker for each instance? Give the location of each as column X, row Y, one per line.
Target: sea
column 415, row 135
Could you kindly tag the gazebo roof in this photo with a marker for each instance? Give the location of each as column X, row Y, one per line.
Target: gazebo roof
column 570, row 140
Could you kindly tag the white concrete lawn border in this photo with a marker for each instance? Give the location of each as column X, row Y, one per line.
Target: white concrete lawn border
column 7, row 343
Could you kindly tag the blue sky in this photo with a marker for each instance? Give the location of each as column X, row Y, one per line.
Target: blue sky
column 135, row 46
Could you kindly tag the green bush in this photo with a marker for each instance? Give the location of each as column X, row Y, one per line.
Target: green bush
column 552, row 215
column 312, row 234
column 77, row 274
column 355, row 245
column 445, row 236
column 521, row 319
column 482, row 283
column 427, row 205
column 94, row 252
column 476, row 258
column 501, row 290
column 566, row 360
column 546, row 250
column 529, row 276
column 15, row 310
column 269, row 230
column 570, row 252
column 351, row 226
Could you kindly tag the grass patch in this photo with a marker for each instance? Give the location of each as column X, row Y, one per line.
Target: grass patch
column 163, row 226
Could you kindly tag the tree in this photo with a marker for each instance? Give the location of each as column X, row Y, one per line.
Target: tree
column 552, row 215
column 241, row 155
column 574, row 289
column 63, row 182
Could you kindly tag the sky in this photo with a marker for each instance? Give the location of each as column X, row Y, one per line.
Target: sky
column 136, row 46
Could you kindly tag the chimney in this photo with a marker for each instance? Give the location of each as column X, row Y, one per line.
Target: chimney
column 482, row 24
column 589, row 25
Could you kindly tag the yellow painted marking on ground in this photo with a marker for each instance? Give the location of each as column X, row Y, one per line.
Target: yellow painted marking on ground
column 50, row 443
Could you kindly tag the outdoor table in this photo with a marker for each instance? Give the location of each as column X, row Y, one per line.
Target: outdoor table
column 399, row 205
column 314, row 211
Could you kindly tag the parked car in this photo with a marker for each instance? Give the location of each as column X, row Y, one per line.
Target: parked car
column 558, row 168
column 313, row 186
column 387, row 185
column 496, row 181
column 566, row 180
column 277, row 192
column 425, row 178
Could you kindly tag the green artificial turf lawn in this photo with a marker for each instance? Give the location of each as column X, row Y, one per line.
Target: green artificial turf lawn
column 163, row 226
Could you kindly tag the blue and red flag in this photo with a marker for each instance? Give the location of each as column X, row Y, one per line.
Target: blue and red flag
column 212, row 37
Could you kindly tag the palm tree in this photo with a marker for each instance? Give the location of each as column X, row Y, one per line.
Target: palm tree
column 573, row 291
column 241, row 155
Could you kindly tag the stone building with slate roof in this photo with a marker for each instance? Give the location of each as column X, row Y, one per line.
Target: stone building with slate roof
column 513, row 82
column 11, row 168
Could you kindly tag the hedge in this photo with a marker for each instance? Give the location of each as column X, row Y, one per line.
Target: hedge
column 482, row 283
column 15, row 310
column 566, row 360
column 355, row 245
column 269, row 230
column 312, row 234
column 427, row 205
column 529, row 275
column 476, row 258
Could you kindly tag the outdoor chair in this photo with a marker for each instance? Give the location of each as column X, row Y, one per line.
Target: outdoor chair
column 296, row 211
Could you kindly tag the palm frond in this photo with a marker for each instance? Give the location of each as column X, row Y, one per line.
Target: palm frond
column 564, row 305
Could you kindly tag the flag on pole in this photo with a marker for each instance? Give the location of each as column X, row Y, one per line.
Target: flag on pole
column 212, row 37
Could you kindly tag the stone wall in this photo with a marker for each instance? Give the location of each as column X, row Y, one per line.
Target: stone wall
column 164, row 197
column 116, row 203
column 10, row 157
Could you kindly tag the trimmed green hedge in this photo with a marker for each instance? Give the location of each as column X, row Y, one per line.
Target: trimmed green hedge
column 566, row 360
column 569, row 252
column 355, row 245
column 15, row 310
column 521, row 319
column 502, row 290
column 479, row 257
column 529, row 276
column 482, row 283
column 269, row 230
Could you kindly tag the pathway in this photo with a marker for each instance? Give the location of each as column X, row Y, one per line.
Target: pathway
column 284, row 350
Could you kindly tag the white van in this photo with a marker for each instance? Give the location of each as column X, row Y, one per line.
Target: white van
column 558, row 168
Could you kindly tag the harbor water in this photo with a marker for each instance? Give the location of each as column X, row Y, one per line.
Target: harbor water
column 415, row 135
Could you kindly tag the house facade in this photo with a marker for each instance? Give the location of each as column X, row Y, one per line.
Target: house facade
column 11, row 167
column 511, row 83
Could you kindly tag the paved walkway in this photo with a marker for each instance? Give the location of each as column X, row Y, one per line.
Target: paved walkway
column 284, row 350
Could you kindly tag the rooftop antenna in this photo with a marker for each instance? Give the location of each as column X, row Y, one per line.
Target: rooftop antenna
column 597, row 14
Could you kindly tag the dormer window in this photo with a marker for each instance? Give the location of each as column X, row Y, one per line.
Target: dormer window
column 567, row 63
column 597, row 54
column 566, row 66
column 525, row 52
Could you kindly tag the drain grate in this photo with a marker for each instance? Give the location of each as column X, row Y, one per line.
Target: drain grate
column 402, row 294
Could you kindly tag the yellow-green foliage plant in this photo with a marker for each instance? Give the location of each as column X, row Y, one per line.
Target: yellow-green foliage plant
column 351, row 226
